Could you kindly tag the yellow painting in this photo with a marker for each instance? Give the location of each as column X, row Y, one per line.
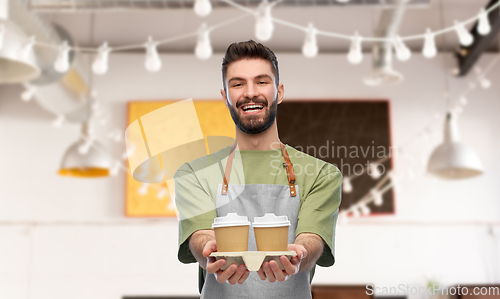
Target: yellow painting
column 160, row 126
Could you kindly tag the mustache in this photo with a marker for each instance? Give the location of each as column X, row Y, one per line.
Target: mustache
column 255, row 100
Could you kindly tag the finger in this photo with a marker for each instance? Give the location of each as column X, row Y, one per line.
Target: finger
column 237, row 275
column 261, row 273
column 278, row 273
column 209, row 247
column 244, row 277
column 224, row 275
column 287, row 265
column 215, row 266
column 269, row 272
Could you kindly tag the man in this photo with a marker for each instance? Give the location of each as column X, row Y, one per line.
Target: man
column 267, row 177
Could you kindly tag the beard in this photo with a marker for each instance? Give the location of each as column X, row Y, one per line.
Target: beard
column 254, row 124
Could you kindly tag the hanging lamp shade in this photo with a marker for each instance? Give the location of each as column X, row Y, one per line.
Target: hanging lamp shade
column 89, row 163
column 453, row 159
column 15, row 66
column 384, row 75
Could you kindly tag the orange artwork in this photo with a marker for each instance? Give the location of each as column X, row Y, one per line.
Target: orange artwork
column 155, row 199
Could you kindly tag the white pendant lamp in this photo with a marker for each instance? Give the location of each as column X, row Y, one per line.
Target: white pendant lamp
column 85, row 159
column 454, row 159
column 15, row 66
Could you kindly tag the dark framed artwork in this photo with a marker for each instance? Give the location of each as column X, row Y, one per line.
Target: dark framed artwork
column 347, row 133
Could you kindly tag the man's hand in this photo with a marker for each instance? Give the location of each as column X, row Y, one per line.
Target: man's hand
column 233, row 274
column 271, row 271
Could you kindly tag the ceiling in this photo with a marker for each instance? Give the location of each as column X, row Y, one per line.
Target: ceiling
column 92, row 27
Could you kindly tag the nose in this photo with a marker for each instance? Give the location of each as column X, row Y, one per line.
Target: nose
column 251, row 90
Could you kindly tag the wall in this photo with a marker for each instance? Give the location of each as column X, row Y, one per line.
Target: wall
column 68, row 238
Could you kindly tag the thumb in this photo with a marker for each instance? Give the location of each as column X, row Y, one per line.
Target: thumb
column 209, row 247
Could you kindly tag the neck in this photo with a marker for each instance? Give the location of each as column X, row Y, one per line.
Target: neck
column 266, row 140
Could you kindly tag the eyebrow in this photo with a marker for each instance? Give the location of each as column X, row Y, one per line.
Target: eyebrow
column 261, row 76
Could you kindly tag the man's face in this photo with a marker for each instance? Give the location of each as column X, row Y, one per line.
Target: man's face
column 252, row 96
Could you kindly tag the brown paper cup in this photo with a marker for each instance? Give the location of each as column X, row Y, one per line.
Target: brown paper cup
column 271, row 238
column 232, row 238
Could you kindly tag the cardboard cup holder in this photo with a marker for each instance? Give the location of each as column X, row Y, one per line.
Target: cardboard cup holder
column 252, row 259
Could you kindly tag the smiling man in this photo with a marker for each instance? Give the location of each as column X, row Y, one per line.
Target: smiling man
column 205, row 188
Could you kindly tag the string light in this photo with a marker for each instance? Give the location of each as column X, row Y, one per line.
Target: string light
column 203, row 48
column 264, row 26
column 429, row 50
column 484, row 82
column 57, row 123
column 28, row 94
column 377, row 197
column 84, row 148
column 153, row 62
column 355, row 55
column 462, row 100
column 161, row 194
column 355, row 212
column 402, row 51
column 364, row 210
column 202, row 7
column 143, row 190
column 346, row 185
column 62, row 62
column 310, row 47
column 100, row 65
column 464, row 36
column 483, row 27
column 28, row 47
column 115, row 168
column 374, row 171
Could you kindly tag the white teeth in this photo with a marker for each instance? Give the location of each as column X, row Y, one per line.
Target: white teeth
column 252, row 107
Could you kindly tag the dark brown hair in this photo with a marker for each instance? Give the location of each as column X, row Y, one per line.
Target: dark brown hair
column 248, row 49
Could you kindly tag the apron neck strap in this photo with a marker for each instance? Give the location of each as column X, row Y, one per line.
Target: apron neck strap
column 290, row 173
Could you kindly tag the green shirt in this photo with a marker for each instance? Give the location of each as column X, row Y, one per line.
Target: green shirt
column 319, row 186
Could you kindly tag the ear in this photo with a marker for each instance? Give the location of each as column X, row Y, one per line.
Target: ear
column 224, row 98
column 281, row 93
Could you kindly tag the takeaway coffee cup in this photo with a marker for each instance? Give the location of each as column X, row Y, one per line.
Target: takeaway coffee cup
column 271, row 232
column 231, row 233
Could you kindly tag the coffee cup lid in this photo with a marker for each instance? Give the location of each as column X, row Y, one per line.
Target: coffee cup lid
column 231, row 219
column 270, row 220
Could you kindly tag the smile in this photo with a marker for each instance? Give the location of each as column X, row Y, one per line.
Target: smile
column 252, row 108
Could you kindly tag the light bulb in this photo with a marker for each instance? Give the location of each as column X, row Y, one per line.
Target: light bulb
column 100, row 65
column 28, row 94
column 429, row 50
column 84, row 148
column 483, row 26
column 374, row 171
column 27, row 48
column 2, row 35
column 115, row 168
column 377, row 198
column 346, row 185
column 355, row 212
column 143, row 190
column 310, row 47
column 57, row 123
column 161, row 194
column 153, row 62
column 402, row 51
column 203, row 48
column 202, row 7
column 463, row 100
column 364, row 210
column 264, row 26
column 62, row 62
column 355, row 55
column 485, row 83
column 464, row 36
